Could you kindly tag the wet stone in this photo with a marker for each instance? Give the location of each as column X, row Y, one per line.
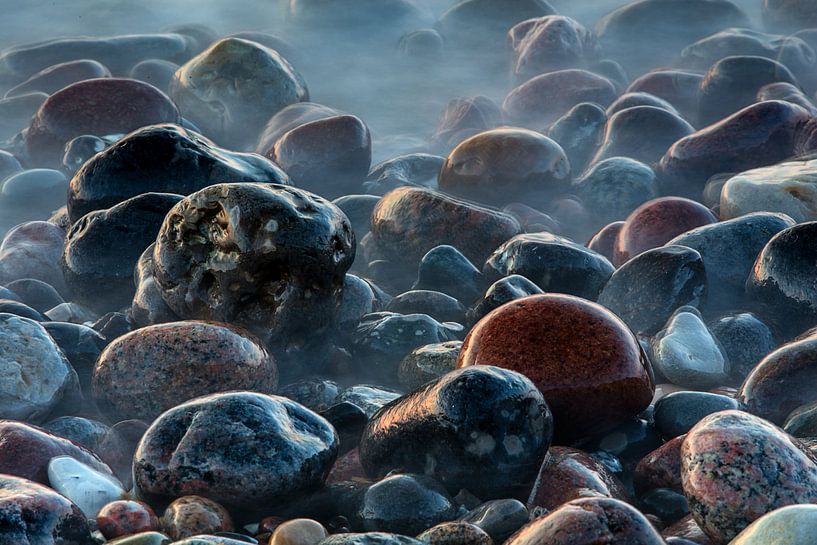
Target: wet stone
column 192, row 515
column 348, row 420
column 150, row 370
column 33, row 194
column 612, row 188
column 35, row 293
column 289, row 118
column 79, row 150
column 261, row 456
column 639, row 98
column 89, row 489
column 677, row 87
column 358, row 208
column 427, row 363
column 790, row 525
column 425, row 43
column 604, row 241
column 33, row 250
column 676, row 413
column 446, row 270
column 126, row 517
column 369, row 398
column 145, row 538
column 543, row 335
column 83, row 431
column 413, row 169
column 482, row 421
column 579, row 132
column 369, row 538
column 802, row 421
column 81, row 345
column 498, row 518
column 660, row 468
column 406, row 504
column 439, row 306
column 455, row 533
column 17, row 111
column 646, row 290
column 156, row 72
column 20, row 309
column 315, row 394
column 668, row 505
column 464, row 117
column 53, row 78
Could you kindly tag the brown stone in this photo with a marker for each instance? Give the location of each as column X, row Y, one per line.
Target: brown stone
column 194, row 515
column 660, row 468
column 604, row 241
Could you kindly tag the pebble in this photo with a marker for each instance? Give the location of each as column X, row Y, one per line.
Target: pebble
column 502, row 291
column 676, row 413
column 579, row 132
column 298, row 532
column 412, row 169
column 192, row 515
column 145, row 538
column 548, row 44
column 439, row 306
column 446, row 270
column 126, row 517
column 89, row 489
column 499, row 518
column 406, row 504
column 455, row 533
column 801, row 422
column 33, row 250
column 35, row 293
column 369, row 538
column 787, row 188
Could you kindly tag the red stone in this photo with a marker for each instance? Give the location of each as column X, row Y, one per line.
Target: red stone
column 660, row 468
column 126, row 517
column 194, row 515
column 604, row 241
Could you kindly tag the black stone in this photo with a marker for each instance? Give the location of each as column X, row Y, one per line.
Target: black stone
column 35, row 293
column 358, row 208
column 439, row 306
column 500, row 519
column 500, row 292
column 745, row 339
column 406, row 504
column 349, row 420
column 676, row 413
column 666, row 504
column 446, row 270
column 580, row 132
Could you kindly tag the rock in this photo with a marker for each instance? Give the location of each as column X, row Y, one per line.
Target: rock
column 153, row 369
column 9, row 165
column 71, row 312
column 427, row 363
column 192, row 515
column 553, row 263
column 79, row 150
column 676, row 413
column 542, row 335
column 579, row 132
column 585, row 521
column 369, row 398
column 33, row 194
column 103, row 247
column 17, row 112
column 687, row 354
column 126, row 517
column 81, row 345
column 314, row 394
column 543, row 99
column 425, row 43
column 89, row 489
column 548, row 44
column 612, row 188
column 53, row 78
column 35, row 293
column 298, row 532
column 19, row 309
column 481, row 421
column 119, row 446
column 801, row 422
column 408, row 222
column 358, row 208
column 100, row 107
column 370, row 538
column 156, row 72
column 568, row 474
column 289, row 118
column 464, row 117
column 145, row 538
column 148, row 307
column 289, row 246
column 668, row 505
column 36, row 375
column 788, row 92
column 161, row 159
column 656, row 222
column 32, row 513
column 729, row 249
column 791, row 525
column 261, row 456
column 455, row 533
column 502, row 165
column 646, row 290
column 358, row 300
column 736, row 468
column 82, row 431
column 745, row 340
column 498, row 518
column 661, row 468
column 233, row 87
column 407, row 504
column 413, row 169
column 446, row 270
column 677, row 87
column 439, row 306
column 604, row 241
column 639, row 98
column 33, row 250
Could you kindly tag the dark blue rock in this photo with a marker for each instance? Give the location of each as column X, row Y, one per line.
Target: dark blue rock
column 406, row 504
column 78, row 150
column 439, row 306
column 668, row 505
column 315, row 394
column 500, row 292
column 579, row 132
column 500, row 519
column 745, row 339
column 676, row 413
column 614, row 187
column 358, row 208
column 21, row 309
column 36, row 293
column 415, row 169
column 446, row 270
column 83, row 431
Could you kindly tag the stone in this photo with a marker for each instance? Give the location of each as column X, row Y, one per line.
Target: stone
column 103, row 106
column 801, row 421
column 612, row 188
column 498, row 518
column 298, row 532
column 79, row 150
column 745, row 340
column 687, row 354
column 369, row 398
column 413, row 169
column 586, row 521
column 71, row 312
column 261, row 455
column 439, row 306
column 789, row 15
column 233, row 87
column 482, row 421
column 369, row 538
column 148, row 307
column 35, row 293
column 145, row 538
column 156, row 72
column 425, row 43
column 548, row 44
column 89, row 489
column 103, row 247
column 192, row 515
column 126, row 517
column 553, row 263
column 579, row 132
column 427, row 363
column 540, row 336
column 119, row 445
column 153, row 369
column 788, row 92
column 358, row 208
column 33, row 513
column 668, row 505
column 314, row 394
column 455, row 533
column 289, row 118
column 790, row 525
column 268, row 257
column 81, row 345
column 604, row 241
column 53, row 78
column 33, row 250
column 83, row 431
column 660, row 468
column 34, row 193
column 358, row 300
column 161, row 159
column 406, row 504
column 676, row 413
column 737, row 467
column 677, row 87
column 788, row 188
column 17, row 112
column 446, row 270
column 639, row 98
column 646, row 290
column 465, row 117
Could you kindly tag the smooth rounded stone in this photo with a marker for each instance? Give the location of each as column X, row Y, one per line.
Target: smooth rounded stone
column 36, row 375
column 604, row 241
column 413, row 169
column 745, row 340
column 455, row 533
column 409, row 221
column 568, row 474
column 103, row 247
column 801, row 422
column 118, row 446
column 646, row 290
column 612, row 188
column 498, row 518
column 643, row 133
column 33, row 250
column 39, row 190
column 464, row 117
column 9, row 165
column 315, row 394
column 790, row 525
column 348, row 420
column 668, row 505
column 35, row 293
column 145, row 538
column 656, row 222
column 737, row 467
column 330, row 156
column 162, row 159
column 268, row 257
column 71, row 312
column 422, row 44
column 759, row 135
column 787, row 92
column 83, row 431
column 288, row 118
column 639, row 98
column 677, row 87
column 156, row 72
column 369, row 538
column 548, row 44
column 685, row 532
column 649, row 33
column 500, row 292
column 53, row 78
column 358, row 300
column 621, row 448
column 192, row 515
column 553, row 263
column 676, row 413
column 20, row 309
column 439, row 306
column 729, row 249
column 203, row 539
column 81, row 345
column 239, row 448
column 731, row 42
column 89, row 489
column 79, row 150
column 533, row 220
column 406, row 504
column 445, row 269
column 16, row 112
column 543, row 335
column 661, row 468
column 588, row 521
column 100, row 107
column 789, row 15
column 543, row 99
column 483, row 428
column 150, row 370
column 501, row 165
column 34, row 514
column 298, row 532
column 732, row 83
column 579, row 132
column 789, row 188
column 687, row 353
column 126, row 517
column 358, row 208
column 233, row 87
column 779, row 278
column 427, row 363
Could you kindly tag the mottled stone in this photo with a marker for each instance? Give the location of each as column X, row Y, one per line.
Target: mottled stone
column 369, row 538
column 406, row 504
column 745, row 340
column 82, row 431
column 33, row 250
column 685, row 532
column 126, row 517
column 192, row 515
column 548, row 44
column 298, row 532
column 145, row 538
column 482, row 428
column 612, row 188
column 427, row 363
column 455, row 533
column 676, row 413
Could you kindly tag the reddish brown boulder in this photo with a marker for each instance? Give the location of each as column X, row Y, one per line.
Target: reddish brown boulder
column 660, row 468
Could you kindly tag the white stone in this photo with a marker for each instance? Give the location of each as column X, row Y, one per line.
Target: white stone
column 790, row 188
column 88, row 488
column 791, row 525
